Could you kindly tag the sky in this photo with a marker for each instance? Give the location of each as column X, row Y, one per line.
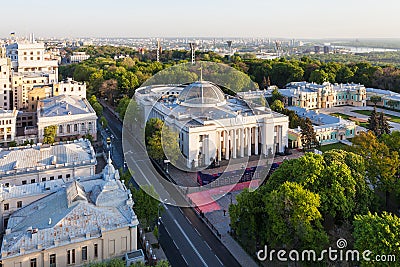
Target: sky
column 202, row 18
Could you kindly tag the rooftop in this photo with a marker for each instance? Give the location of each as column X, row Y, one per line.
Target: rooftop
column 319, row 119
column 69, row 215
column 40, row 157
column 63, row 105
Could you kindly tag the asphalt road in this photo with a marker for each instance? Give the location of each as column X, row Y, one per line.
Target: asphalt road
column 187, row 241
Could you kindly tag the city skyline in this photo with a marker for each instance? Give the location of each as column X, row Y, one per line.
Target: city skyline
column 291, row 19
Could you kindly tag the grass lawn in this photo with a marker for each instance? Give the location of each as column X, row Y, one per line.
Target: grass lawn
column 344, row 116
column 333, row 146
column 363, row 112
column 368, row 113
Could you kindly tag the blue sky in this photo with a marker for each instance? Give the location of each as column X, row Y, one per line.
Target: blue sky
column 204, row 18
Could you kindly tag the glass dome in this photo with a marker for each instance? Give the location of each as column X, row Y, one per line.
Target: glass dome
column 201, row 94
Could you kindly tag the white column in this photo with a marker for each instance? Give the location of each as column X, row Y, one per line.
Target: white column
column 256, row 140
column 263, row 141
column 219, row 145
column 241, row 142
column 249, row 141
column 226, row 133
column 234, row 144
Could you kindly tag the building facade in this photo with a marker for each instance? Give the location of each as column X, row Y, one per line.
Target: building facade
column 41, row 163
column 329, row 129
column 70, row 87
column 78, row 57
column 212, row 125
column 30, row 57
column 73, row 116
column 389, row 99
column 314, row 96
column 5, row 80
column 8, row 123
column 80, row 223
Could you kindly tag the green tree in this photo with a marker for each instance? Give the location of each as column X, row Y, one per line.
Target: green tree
column 319, row 76
column 122, row 106
column 384, row 127
column 379, row 234
column 344, row 75
column 381, row 163
column 248, row 216
column 308, row 135
column 50, row 133
column 338, row 177
column 375, row 99
column 98, row 109
column 392, row 141
column 373, row 123
column 277, row 105
column 294, row 221
column 103, row 122
column 147, row 206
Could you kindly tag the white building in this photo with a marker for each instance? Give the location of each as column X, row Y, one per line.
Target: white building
column 13, row 198
column 40, row 163
column 213, row 125
column 329, row 129
column 73, row 116
column 70, row 87
column 5, row 82
column 30, row 56
column 389, row 99
column 8, row 122
column 79, row 57
column 80, row 223
column 313, row 96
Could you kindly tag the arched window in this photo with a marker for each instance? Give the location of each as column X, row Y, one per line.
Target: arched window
column 68, row 128
column 60, row 129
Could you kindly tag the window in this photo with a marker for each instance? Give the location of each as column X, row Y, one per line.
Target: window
column 71, row 256
column 96, row 251
column 68, row 176
column 33, row 181
column 6, row 206
column 60, row 129
column 53, row 260
column 44, row 179
column 84, row 254
column 5, row 223
column 24, row 182
column 51, row 178
column 60, row 177
column 33, row 262
column 75, row 127
column 19, row 204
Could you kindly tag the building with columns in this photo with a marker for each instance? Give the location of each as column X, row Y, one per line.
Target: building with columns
column 78, row 223
column 212, row 125
column 314, row 96
column 73, row 116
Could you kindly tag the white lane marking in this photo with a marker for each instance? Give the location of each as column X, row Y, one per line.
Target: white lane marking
column 197, row 231
column 219, row 260
column 190, row 243
column 208, row 246
column 175, row 244
column 184, row 259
